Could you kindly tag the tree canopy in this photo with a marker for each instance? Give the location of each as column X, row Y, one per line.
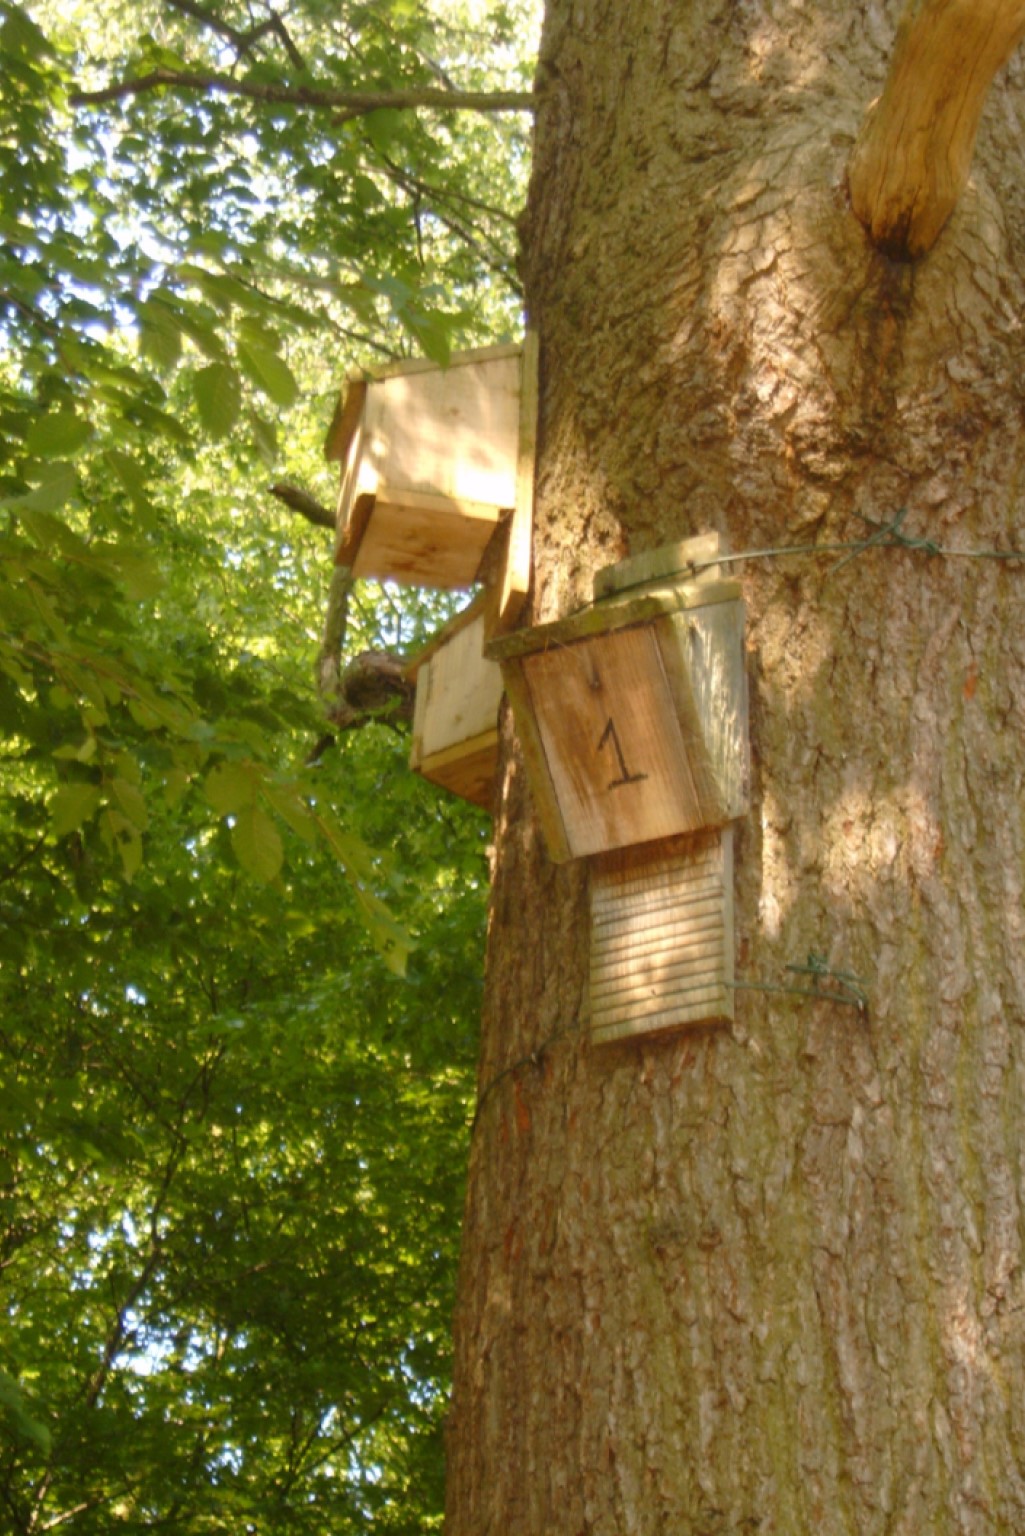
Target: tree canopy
column 239, row 973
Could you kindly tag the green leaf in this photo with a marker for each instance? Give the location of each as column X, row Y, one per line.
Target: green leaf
column 120, row 832
column 292, row 808
column 58, row 487
column 131, row 475
column 218, row 396
column 59, row 432
column 72, row 805
column 265, row 439
column 13, row 1406
column 138, row 573
column 130, row 802
column 230, row 787
column 159, row 333
column 257, row 844
column 269, row 373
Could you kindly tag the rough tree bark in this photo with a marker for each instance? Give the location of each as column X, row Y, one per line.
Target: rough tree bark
column 769, row 1279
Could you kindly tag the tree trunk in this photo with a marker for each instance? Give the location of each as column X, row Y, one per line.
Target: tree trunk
column 769, row 1278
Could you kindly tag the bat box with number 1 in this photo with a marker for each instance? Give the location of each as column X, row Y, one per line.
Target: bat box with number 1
column 632, row 712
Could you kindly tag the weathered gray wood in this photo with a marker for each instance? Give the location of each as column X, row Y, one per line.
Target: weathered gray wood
column 613, row 613
column 536, row 763
column 703, row 653
column 639, row 708
column 618, row 761
column 676, row 562
column 515, row 581
column 662, row 938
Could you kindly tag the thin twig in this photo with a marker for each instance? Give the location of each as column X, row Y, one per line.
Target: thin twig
column 242, row 42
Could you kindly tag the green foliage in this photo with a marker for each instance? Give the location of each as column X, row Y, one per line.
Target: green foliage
column 237, row 987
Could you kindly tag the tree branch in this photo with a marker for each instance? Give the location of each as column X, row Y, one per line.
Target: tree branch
column 913, row 154
column 242, row 42
column 298, row 500
column 348, row 103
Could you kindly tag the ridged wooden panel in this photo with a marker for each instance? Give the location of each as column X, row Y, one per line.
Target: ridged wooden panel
column 662, row 938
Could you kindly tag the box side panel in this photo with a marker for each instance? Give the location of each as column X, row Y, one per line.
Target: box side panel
column 704, row 652
column 465, row 691
column 467, row 770
column 621, row 767
column 430, row 543
column 662, row 939
column 452, row 433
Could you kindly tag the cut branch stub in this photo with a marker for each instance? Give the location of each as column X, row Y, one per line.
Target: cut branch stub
column 914, row 151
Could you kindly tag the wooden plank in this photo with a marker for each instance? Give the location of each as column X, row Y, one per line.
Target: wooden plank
column 703, row 653
column 620, row 612
column 346, row 422
column 451, row 432
column 621, row 768
column 536, row 762
column 424, row 539
column 676, row 561
column 516, row 575
column 347, row 491
column 467, row 770
column 462, row 691
column 471, row 356
column 352, row 530
column 467, row 615
column 662, row 953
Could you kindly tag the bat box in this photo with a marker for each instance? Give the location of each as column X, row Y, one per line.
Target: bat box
column 455, row 720
column 433, row 459
column 632, row 713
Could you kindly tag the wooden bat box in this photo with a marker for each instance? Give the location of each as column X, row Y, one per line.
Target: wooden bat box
column 632, row 713
column 432, row 460
column 455, row 720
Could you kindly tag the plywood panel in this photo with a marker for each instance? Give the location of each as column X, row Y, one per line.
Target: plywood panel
column 662, row 938
column 451, row 432
column 455, row 721
column 424, row 540
column 460, row 689
column 625, row 766
column 467, row 770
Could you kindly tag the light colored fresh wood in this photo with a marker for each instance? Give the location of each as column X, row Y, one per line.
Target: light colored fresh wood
column 468, row 615
column 467, row 770
column 451, row 432
column 408, row 366
column 662, row 939
column 515, row 581
column 683, row 562
column 347, row 498
column 436, row 450
column 347, row 420
column 422, row 539
column 455, row 718
column 913, row 155
column 458, row 692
